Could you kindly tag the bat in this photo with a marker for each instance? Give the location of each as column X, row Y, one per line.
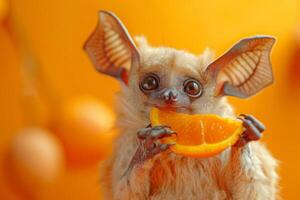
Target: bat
column 141, row 167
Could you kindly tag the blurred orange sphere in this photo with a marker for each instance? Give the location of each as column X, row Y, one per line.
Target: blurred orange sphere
column 85, row 126
column 35, row 160
column 3, row 8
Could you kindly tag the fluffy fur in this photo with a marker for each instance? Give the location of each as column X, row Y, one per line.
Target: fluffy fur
column 237, row 173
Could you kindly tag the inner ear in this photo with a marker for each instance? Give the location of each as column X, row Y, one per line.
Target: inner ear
column 245, row 69
column 111, row 48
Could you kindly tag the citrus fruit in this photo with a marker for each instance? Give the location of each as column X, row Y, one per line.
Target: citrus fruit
column 85, row 126
column 199, row 135
column 35, row 160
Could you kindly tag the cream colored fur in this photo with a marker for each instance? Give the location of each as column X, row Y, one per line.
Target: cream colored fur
column 246, row 173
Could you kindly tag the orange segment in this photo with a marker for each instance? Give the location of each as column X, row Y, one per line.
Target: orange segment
column 199, row 135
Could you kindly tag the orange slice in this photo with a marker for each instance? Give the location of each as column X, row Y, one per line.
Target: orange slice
column 199, row 135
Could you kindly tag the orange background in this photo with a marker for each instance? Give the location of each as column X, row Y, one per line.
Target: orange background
column 57, row 30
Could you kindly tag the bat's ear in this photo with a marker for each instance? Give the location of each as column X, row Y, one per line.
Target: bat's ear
column 245, row 69
column 111, row 48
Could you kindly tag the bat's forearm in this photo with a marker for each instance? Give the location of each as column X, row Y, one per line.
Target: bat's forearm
column 253, row 172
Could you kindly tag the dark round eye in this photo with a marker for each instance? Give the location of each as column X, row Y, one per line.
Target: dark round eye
column 192, row 87
column 149, row 83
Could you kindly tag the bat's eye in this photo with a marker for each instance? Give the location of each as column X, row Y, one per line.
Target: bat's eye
column 192, row 87
column 149, row 83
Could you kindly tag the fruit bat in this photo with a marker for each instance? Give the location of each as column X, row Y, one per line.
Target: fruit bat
column 143, row 168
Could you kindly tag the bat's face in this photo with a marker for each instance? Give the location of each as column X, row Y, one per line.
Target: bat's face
column 170, row 90
column 172, row 79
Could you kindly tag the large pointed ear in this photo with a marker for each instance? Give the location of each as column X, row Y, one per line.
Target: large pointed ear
column 245, row 69
column 111, row 48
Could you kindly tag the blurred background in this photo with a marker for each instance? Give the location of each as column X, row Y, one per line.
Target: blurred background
column 57, row 115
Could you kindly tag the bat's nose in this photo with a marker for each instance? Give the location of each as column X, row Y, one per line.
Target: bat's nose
column 170, row 95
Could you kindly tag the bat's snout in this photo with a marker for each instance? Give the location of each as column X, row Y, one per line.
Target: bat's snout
column 170, row 96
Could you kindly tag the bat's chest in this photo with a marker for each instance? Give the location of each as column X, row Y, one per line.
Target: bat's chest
column 187, row 179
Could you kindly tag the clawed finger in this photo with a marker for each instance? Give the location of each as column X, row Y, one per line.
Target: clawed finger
column 260, row 126
column 254, row 129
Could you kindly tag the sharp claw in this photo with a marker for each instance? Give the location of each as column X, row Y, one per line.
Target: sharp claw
column 169, row 131
column 245, row 121
column 254, row 129
column 173, row 132
column 256, row 123
column 260, row 126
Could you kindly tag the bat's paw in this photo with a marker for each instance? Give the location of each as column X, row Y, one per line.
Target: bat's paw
column 149, row 145
column 149, row 140
column 253, row 129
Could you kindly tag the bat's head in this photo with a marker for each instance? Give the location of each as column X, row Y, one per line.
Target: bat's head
column 174, row 79
column 170, row 78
